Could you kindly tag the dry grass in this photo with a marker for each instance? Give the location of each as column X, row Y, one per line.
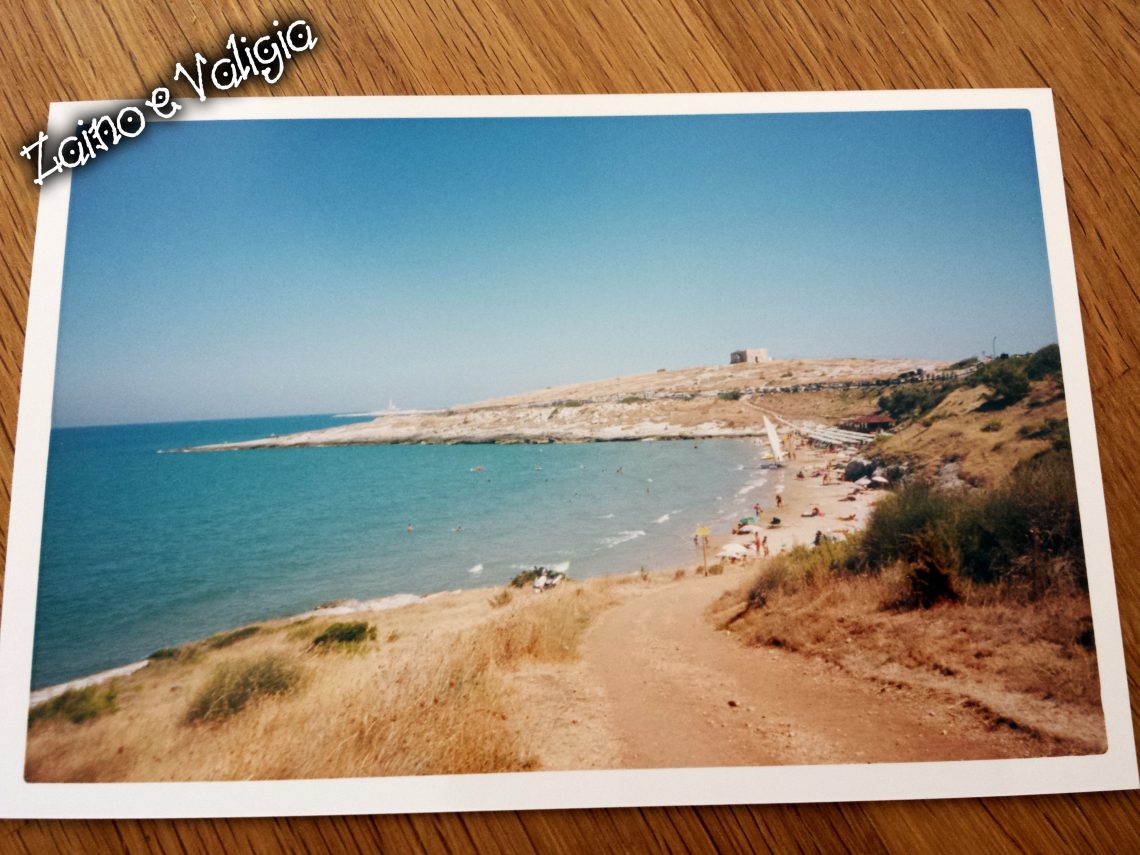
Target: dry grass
column 545, row 629
column 1033, row 661
column 436, row 704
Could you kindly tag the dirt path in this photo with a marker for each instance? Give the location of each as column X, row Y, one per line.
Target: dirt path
column 658, row 686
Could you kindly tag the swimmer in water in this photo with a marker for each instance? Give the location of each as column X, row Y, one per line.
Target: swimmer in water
column 409, row 528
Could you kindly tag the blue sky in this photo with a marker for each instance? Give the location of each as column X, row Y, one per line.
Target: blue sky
column 228, row 269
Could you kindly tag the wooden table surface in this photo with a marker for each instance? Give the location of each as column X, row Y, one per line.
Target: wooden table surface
column 1088, row 53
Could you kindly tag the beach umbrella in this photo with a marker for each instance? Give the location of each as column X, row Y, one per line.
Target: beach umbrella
column 863, row 482
column 879, row 479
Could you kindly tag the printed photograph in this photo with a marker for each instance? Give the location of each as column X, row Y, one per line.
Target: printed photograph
column 394, row 446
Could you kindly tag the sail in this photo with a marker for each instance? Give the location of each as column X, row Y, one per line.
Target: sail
column 774, row 440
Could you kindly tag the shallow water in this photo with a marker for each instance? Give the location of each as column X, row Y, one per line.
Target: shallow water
column 144, row 550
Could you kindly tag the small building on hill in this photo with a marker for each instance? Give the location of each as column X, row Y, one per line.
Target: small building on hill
column 872, row 423
column 750, row 355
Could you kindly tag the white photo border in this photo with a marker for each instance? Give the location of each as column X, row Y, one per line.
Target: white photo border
column 1114, row 769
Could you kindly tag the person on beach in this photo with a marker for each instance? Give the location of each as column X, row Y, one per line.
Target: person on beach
column 764, row 544
column 779, row 500
column 759, row 510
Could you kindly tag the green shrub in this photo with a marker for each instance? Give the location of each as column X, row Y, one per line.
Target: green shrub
column 1044, row 362
column 349, row 633
column 225, row 639
column 633, row 399
column 730, row 395
column 1006, row 379
column 714, row 570
column 913, row 401
column 1030, row 519
column 234, row 685
column 899, row 518
column 991, row 426
column 76, row 705
column 1056, row 431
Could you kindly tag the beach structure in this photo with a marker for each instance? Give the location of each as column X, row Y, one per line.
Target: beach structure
column 871, row 423
column 823, row 435
column 749, row 356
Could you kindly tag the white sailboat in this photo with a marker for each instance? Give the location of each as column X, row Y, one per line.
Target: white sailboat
column 774, row 441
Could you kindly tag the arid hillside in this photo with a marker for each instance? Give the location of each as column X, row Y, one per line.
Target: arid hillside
column 717, row 401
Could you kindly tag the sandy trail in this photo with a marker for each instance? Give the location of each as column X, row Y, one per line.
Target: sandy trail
column 658, row 686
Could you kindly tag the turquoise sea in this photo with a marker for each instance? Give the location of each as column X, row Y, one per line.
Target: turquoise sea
column 143, row 550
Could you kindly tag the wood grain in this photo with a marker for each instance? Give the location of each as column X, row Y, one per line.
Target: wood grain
column 1089, row 53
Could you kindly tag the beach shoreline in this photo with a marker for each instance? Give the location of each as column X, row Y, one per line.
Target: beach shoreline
column 800, row 495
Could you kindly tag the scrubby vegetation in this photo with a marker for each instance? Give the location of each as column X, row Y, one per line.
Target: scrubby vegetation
column 730, row 395
column 503, row 598
column 1044, row 362
column 236, row 684
column 1021, row 539
column 76, row 705
column 1007, row 379
column 225, row 639
column 974, row 584
column 527, row 577
column 912, row 402
column 348, row 634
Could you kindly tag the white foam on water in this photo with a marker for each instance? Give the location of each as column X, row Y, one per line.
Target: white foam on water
column 477, row 569
column 664, row 518
column 347, row 607
column 606, row 517
column 622, row 537
column 46, row 694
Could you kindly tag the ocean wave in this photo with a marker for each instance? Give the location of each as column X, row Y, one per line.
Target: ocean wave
column 477, row 569
column 606, row 517
column 622, row 537
column 664, row 518
column 749, row 487
column 345, row 607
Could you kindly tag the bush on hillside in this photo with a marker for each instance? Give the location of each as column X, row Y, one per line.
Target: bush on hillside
column 1031, row 519
column 234, row 685
column 76, row 705
column 1006, row 379
column 1043, row 363
column 350, row 633
column 913, row 401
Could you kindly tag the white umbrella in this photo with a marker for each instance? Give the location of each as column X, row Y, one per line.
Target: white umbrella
column 863, row 482
column 879, row 479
